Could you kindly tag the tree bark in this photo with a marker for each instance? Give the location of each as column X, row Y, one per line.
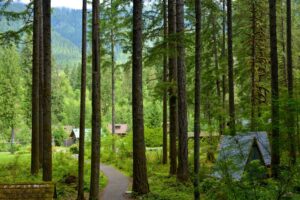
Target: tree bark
column 80, row 195
column 223, row 55
column 165, row 95
column 283, row 44
column 218, row 82
column 275, row 92
column 35, row 90
column 41, row 76
column 198, row 64
column 182, row 171
column 230, row 69
column 140, row 180
column 291, row 107
column 96, row 108
column 173, row 114
column 47, row 139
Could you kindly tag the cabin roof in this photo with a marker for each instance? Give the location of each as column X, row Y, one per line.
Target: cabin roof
column 76, row 132
column 119, row 128
column 235, row 151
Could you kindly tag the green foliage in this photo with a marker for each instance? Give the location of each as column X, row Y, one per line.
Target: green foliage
column 15, row 23
column 5, row 146
column 10, row 73
column 64, row 165
column 16, row 169
column 153, row 137
column 74, row 149
column 253, row 185
column 163, row 187
column 59, row 135
column 153, row 114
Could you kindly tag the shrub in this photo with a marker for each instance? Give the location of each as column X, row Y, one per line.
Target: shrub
column 74, row 149
column 59, row 135
column 153, row 137
column 5, row 147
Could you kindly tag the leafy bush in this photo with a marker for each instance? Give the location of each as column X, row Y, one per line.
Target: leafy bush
column 5, row 147
column 74, row 149
column 59, row 135
column 153, row 114
column 153, row 137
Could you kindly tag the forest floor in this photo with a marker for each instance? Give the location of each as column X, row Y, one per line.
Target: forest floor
column 117, row 184
column 15, row 168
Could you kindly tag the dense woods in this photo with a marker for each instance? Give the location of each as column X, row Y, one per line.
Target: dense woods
column 186, row 99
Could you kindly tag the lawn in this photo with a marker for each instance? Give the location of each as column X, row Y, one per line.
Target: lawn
column 15, row 168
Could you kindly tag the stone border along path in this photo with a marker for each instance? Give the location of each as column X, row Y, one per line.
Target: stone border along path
column 117, row 184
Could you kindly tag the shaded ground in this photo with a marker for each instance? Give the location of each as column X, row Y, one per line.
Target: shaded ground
column 117, row 184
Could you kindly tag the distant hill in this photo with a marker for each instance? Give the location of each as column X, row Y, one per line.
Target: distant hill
column 67, row 22
column 64, row 51
column 66, row 34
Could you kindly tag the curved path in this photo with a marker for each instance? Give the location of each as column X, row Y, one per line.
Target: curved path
column 117, row 184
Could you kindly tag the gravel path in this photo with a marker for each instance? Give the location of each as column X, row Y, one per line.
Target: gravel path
column 117, row 184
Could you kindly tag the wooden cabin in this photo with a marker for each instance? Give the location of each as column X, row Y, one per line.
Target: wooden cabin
column 120, row 129
column 74, row 136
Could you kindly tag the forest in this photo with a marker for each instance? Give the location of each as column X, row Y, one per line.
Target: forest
column 152, row 100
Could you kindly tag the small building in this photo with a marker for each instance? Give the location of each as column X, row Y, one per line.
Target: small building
column 236, row 152
column 74, row 136
column 120, row 129
column 68, row 128
column 75, row 133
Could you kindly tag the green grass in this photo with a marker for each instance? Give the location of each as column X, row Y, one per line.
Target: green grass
column 15, row 168
column 6, row 157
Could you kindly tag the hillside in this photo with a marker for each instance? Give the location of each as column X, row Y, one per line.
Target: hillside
column 67, row 22
column 66, row 33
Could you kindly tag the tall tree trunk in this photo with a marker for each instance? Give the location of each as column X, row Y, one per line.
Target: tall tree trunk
column 253, row 68
column 230, row 69
column 218, row 82
column 80, row 195
column 165, row 95
column 140, row 180
column 275, row 93
column 41, row 88
column 47, row 148
column 223, row 55
column 291, row 107
column 173, row 114
column 197, row 98
column 113, row 117
column 223, row 28
column 182, row 171
column 35, row 90
column 298, row 129
column 96, row 108
column 283, row 44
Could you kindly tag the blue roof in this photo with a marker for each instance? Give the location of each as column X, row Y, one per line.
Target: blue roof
column 234, row 153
